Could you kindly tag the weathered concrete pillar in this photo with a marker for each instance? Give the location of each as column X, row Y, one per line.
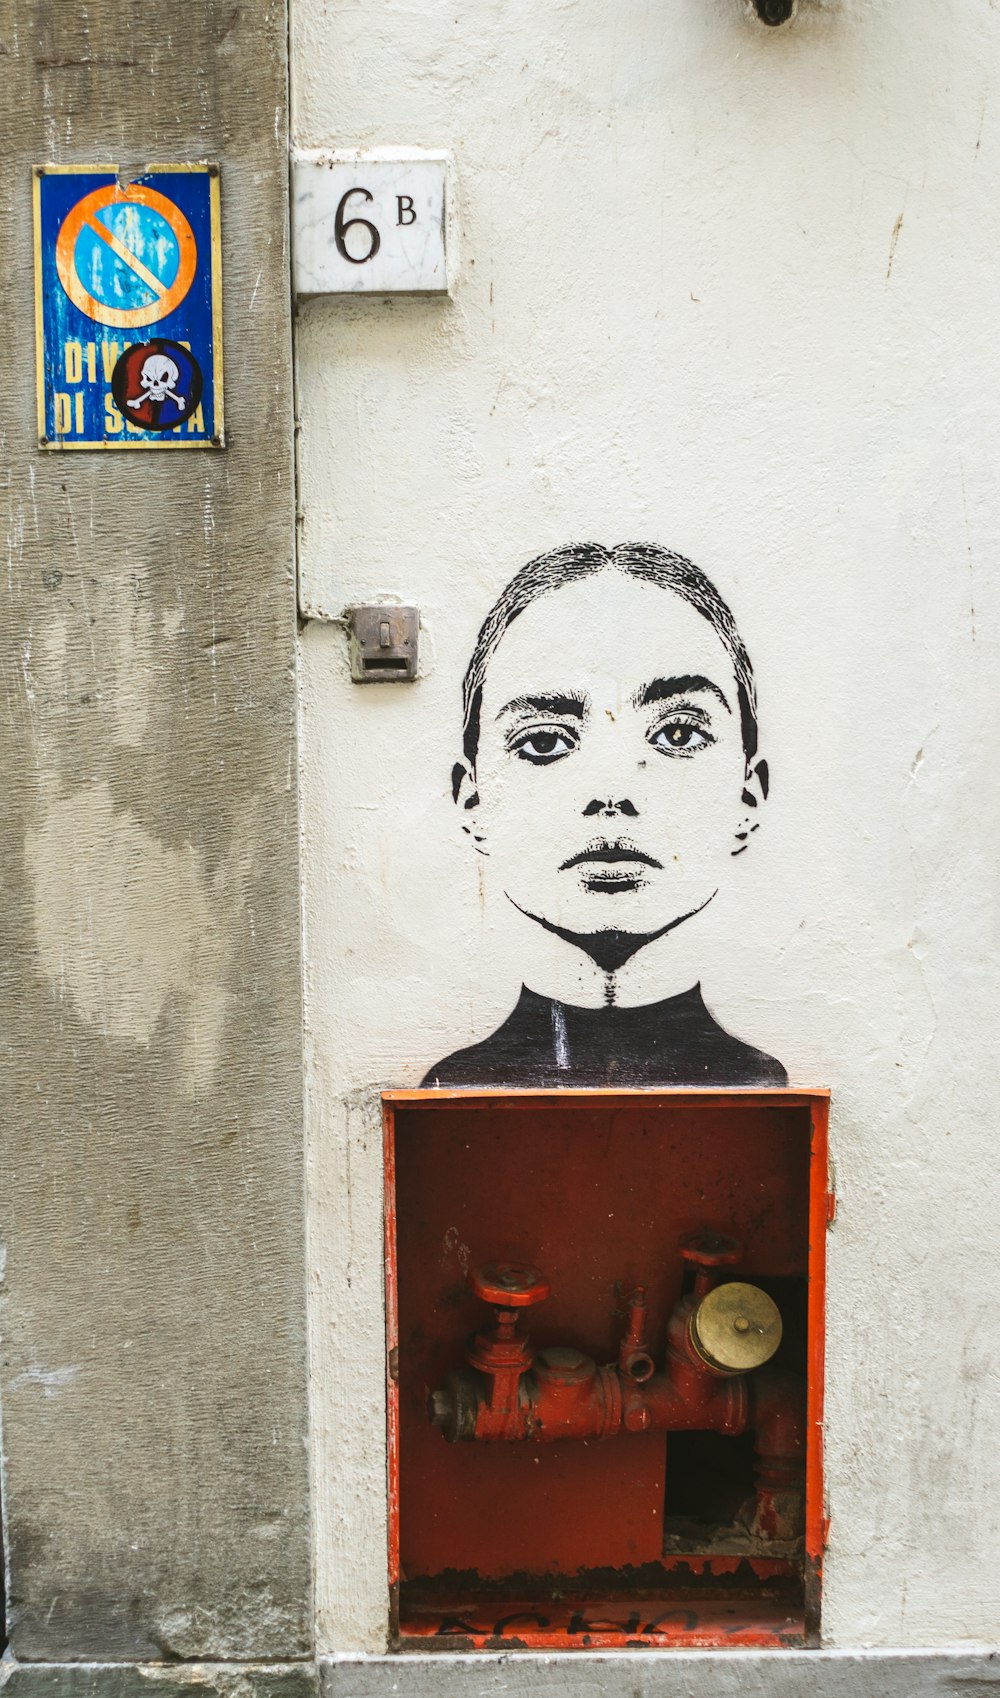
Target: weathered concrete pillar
column 154, row 1418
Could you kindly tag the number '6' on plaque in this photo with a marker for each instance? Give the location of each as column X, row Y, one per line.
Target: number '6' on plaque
column 370, row 223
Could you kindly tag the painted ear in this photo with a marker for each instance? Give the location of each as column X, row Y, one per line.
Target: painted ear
column 755, row 788
column 466, row 797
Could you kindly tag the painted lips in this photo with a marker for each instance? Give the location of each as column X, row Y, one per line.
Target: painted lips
column 603, row 854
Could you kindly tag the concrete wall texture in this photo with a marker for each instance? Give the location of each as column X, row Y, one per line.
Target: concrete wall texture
column 731, row 290
column 155, row 1468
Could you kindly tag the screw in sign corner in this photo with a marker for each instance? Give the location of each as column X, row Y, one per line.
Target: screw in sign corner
column 128, row 307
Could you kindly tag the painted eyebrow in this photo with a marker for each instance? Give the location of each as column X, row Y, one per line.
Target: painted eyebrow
column 572, row 706
column 663, row 689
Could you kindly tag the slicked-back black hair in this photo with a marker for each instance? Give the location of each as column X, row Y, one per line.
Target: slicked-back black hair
column 645, row 561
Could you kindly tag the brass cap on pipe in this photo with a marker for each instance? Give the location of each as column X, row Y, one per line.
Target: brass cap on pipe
column 736, row 1327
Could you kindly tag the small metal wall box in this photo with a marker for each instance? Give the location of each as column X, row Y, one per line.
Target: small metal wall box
column 383, row 644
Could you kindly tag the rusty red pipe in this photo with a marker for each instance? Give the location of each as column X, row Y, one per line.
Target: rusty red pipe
column 779, row 1428
column 514, row 1393
column 559, row 1393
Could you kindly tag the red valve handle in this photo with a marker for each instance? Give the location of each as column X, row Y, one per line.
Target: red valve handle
column 711, row 1249
column 509, row 1285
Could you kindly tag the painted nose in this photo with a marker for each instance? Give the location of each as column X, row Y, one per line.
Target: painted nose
column 608, row 810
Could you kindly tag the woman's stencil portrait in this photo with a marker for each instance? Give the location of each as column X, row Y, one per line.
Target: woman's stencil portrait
column 611, row 771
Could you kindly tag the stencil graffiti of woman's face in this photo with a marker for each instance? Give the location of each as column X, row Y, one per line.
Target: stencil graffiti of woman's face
column 611, row 786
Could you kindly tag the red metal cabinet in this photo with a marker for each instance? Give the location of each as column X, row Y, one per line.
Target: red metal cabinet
column 619, row 1540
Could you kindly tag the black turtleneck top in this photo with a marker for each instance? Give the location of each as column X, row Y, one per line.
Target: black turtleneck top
column 546, row 1043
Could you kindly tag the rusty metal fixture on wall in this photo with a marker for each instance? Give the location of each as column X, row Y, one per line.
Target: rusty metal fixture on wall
column 719, row 1337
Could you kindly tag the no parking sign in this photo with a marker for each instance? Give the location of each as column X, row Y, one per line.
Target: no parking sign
column 128, row 307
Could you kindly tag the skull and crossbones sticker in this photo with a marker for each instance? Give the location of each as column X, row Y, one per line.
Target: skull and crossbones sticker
column 157, row 385
column 158, row 382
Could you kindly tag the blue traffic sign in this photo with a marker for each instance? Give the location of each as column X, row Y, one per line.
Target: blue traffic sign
column 128, row 307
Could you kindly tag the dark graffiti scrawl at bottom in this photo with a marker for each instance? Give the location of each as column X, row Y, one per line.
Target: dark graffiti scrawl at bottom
column 736, row 1622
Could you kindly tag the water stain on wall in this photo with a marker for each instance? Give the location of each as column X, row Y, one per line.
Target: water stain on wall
column 132, row 930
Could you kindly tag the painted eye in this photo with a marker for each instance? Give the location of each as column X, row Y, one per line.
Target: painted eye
column 681, row 737
column 544, row 745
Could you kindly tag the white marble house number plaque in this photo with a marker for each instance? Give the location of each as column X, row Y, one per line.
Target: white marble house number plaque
column 369, row 223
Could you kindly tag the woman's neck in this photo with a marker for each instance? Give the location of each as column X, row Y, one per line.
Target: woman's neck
column 555, row 967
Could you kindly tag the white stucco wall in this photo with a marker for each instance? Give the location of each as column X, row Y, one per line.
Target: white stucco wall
column 732, row 290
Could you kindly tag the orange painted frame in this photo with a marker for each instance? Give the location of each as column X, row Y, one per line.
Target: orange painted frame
column 822, row 1207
